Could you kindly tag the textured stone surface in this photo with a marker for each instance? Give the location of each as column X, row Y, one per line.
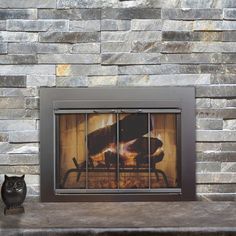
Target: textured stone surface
column 28, row 4
column 70, row 14
column 122, row 218
column 131, row 13
column 191, row 14
column 78, row 43
column 112, row 25
column 85, row 26
column 37, row 25
column 130, row 58
column 6, row 14
column 69, row 58
column 12, row 81
column 70, row 37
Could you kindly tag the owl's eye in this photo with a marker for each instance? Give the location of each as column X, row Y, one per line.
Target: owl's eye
column 19, row 184
column 10, row 184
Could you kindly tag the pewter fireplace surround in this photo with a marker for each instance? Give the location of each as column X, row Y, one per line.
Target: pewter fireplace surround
column 117, row 144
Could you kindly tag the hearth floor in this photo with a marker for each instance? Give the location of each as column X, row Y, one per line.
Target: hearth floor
column 136, row 218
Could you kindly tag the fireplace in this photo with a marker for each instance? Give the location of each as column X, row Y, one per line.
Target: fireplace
column 117, row 144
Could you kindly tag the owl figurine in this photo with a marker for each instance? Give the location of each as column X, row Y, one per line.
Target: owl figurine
column 13, row 194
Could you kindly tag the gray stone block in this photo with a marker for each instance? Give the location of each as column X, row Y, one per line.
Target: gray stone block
column 218, row 103
column 205, row 167
column 215, row 136
column 37, row 25
column 223, row 79
column 12, row 81
column 85, row 26
column 124, row 36
column 203, row 102
column 28, row 4
column 27, row 69
column 2, row 25
column 79, row 4
column 76, row 70
column 201, row 3
column 179, row 79
column 32, row 103
column 229, row 58
column 231, row 103
column 149, row 69
column 196, row 58
column 6, row 36
column 19, row 159
column 148, row 47
column 146, row 24
column 228, row 3
column 77, row 81
column 40, row 48
column 174, row 25
column 100, row 81
column 3, row 48
column 229, row 167
column 69, row 58
column 133, row 80
column 212, row 68
column 191, row 69
column 89, row 48
column 191, row 36
column 216, row 91
column 219, row 156
column 69, row 37
column 192, row 14
column 107, row 47
column 70, row 14
column 130, row 13
column 229, row 124
column 19, row 170
column 176, row 47
column 130, row 58
column 217, row 186
column 208, row 25
column 113, row 25
column 229, row 36
column 24, row 136
column 38, row 80
column 28, row 114
column 210, row 147
column 11, row 102
column 18, row 59
column 224, row 113
column 209, row 124
column 230, row 13
column 4, row 137
column 18, row 92
column 6, row 14
column 8, row 125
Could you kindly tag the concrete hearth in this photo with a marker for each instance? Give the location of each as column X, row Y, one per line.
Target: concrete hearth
column 166, row 218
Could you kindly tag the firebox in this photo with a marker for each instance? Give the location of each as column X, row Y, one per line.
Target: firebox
column 117, row 144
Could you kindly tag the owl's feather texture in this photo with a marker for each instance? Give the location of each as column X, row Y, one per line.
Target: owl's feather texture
column 13, row 191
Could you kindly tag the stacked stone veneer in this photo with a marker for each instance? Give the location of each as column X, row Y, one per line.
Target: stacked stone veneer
column 120, row 43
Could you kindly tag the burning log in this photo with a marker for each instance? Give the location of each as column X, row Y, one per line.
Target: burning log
column 131, row 127
column 111, row 159
column 141, row 145
column 143, row 160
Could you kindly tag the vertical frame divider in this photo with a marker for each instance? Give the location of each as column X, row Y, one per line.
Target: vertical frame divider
column 118, row 149
column 86, row 148
column 149, row 152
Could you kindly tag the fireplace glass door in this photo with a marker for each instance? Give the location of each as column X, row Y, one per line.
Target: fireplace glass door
column 117, row 150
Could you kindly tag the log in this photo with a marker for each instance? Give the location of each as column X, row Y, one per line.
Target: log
column 131, row 127
column 141, row 145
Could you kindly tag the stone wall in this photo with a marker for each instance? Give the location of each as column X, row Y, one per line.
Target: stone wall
column 61, row 43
